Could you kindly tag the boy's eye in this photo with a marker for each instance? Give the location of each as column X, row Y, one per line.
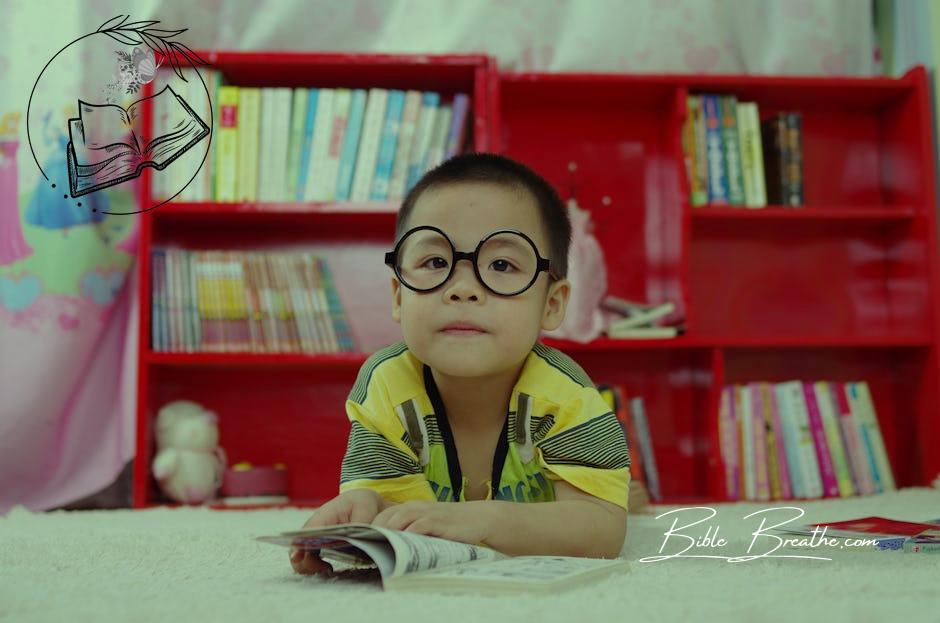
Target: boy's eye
column 502, row 266
column 434, row 263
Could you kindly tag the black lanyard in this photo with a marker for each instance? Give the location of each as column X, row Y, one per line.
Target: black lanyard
column 450, row 448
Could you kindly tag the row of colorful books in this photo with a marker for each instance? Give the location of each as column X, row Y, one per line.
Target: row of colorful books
column 229, row 301
column 631, row 413
column 324, row 144
column 801, row 439
column 734, row 159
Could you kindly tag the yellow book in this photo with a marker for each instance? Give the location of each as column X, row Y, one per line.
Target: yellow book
column 227, row 146
column 249, row 143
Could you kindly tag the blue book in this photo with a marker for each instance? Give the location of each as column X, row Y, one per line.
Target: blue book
column 157, row 298
column 422, row 139
column 347, row 159
column 383, row 166
column 714, row 148
column 308, row 140
column 338, row 318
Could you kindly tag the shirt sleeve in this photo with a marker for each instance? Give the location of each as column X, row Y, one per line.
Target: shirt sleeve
column 378, row 458
column 586, row 447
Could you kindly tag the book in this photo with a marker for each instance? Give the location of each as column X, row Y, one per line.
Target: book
column 645, row 441
column 861, row 472
column 315, row 189
column 387, row 146
column 695, row 174
column 109, row 145
column 368, row 154
column 752, row 157
column 409, row 561
column 303, row 168
column 458, row 125
column 700, row 157
column 348, row 155
column 616, row 397
column 823, row 457
column 777, row 432
column 728, row 108
column 342, row 100
column 249, row 128
column 642, row 333
column 794, row 161
column 422, row 138
column 717, row 167
column 295, row 142
column 226, row 151
column 406, row 131
column 827, row 413
column 728, row 442
column 641, row 317
column 776, row 169
column 863, row 408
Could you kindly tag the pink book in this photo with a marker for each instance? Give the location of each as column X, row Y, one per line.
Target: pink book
column 859, row 468
column 830, row 483
column 782, row 467
column 728, row 434
column 759, row 436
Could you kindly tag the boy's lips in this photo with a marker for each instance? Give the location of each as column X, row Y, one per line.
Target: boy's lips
column 462, row 328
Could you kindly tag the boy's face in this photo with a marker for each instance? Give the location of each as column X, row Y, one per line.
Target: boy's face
column 467, row 212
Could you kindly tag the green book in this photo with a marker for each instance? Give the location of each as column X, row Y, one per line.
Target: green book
column 728, row 105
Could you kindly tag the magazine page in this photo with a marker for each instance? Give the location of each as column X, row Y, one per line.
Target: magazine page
column 416, row 552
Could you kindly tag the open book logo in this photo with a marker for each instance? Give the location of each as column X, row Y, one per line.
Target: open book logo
column 109, row 145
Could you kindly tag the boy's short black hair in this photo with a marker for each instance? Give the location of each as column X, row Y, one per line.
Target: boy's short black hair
column 496, row 169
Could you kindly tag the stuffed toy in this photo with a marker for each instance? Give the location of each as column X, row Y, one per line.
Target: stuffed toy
column 189, row 464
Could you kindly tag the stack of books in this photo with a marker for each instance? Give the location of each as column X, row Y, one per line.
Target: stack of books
column 627, row 319
column 734, row 159
column 262, row 302
column 319, row 144
column 801, row 440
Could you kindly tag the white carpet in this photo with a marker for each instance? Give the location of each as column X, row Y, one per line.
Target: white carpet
column 200, row 565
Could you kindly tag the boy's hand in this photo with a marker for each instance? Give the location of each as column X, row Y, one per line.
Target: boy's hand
column 356, row 506
column 467, row 522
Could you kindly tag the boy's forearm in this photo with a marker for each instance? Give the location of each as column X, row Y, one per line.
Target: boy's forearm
column 565, row 528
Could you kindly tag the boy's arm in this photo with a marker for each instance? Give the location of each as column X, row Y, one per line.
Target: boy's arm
column 576, row 524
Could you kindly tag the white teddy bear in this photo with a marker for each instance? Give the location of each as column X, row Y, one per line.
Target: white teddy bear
column 189, row 464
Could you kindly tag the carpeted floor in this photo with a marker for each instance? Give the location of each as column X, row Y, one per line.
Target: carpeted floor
column 200, row 565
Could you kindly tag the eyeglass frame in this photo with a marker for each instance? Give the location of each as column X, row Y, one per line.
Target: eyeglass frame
column 541, row 263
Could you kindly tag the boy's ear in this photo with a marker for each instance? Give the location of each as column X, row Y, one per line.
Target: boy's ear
column 555, row 304
column 396, row 300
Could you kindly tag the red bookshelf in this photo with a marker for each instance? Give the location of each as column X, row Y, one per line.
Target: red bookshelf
column 844, row 289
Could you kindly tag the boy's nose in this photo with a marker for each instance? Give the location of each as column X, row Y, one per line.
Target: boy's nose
column 463, row 283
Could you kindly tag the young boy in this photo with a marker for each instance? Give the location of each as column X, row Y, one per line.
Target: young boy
column 471, row 408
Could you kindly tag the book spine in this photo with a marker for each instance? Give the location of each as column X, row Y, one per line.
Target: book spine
column 173, row 291
column 699, row 129
column 794, row 125
column 774, row 137
column 717, row 169
column 823, row 457
column 791, row 435
column 298, row 266
column 744, row 410
column 249, row 128
column 638, row 415
column 409, row 120
column 438, row 137
column 808, row 460
column 863, row 478
column 728, row 106
column 634, row 456
column 779, row 449
column 307, row 144
column 340, row 339
column 759, row 432
column 830, row 423
column 227, row 144
column 862, row 396
column 770, row 446
column 341, row 104
column 369, row 144
column 157, row 277
column 305, row 336
column 422, row 138
column 746, row 154
column 688, row 151
column 755, row 147
column 322, row 129
column 192, row 302
column 282, row 118
column 390, row 130
column 266, row 300
column 728, row 441
column 189, row 321
column 347, row 161
column 458, row 125
column 321, row 313
column 266, row 159
column 295, row 143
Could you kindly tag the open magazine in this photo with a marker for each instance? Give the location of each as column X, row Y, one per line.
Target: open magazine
column 408, row 561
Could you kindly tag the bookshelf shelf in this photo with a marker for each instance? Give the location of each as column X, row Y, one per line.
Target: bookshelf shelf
column 312, row 360
column 846, row 288
column 848, row 214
